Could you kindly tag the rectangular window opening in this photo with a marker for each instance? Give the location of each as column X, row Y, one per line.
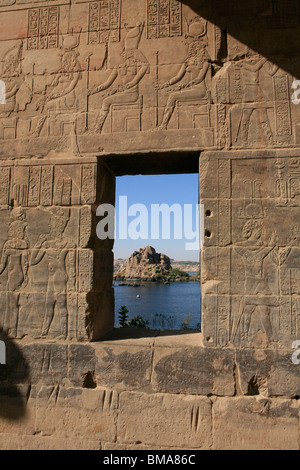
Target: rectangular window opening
column 157, row 252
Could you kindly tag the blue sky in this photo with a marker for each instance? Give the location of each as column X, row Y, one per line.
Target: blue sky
column 157, row 189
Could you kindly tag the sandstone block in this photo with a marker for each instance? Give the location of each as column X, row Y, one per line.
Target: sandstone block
column 172, row 421
column 198, row 371
column 267, row 372
column 124, row 367
column 255, row 424
column 77, row 413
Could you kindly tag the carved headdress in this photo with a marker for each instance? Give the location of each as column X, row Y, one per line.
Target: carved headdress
column 133, row 36
column 69, row 55
column 196, row 28
column 12, row 60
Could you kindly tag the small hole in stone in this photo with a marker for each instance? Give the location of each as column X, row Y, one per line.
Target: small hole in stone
column 256, row 385
column 89, row 380
column 209, row 339
column 208, row 213
column 207, row 233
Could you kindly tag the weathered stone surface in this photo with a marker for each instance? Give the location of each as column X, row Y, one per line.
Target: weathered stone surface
column 50, row 443
column 173, row 421
column 15, row 442
column 141, row 447
column 77, row 413
column 255, row 424
column 17, row 414
column 267, row 372
column 47, row 363
column 196, row 371
column 124, row 367
column 81, row 365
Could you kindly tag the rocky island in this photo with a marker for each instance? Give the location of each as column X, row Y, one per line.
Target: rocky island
column 148, row 265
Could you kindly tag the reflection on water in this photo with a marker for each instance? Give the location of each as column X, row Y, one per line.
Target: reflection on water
column 175, row 306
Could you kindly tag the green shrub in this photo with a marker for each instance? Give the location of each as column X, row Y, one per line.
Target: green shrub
column 123, row 316
column 186, row 322
column 177, row 273
column 136, row 322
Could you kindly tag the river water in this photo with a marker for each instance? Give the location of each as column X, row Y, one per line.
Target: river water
column 164, row 306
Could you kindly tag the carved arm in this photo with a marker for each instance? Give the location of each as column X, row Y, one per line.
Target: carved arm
column 4, row 258
column 105, row 85
column 142, row 72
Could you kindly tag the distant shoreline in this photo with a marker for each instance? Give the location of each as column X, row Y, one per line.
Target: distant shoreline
column 136, row 282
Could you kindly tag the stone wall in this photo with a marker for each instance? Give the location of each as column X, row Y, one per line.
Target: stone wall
column 95, row 89
column 148, row 392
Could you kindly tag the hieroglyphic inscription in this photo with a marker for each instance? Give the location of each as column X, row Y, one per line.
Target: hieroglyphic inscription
column 84, row 272
column 4, row 186
column 238, row 90
column 164, row 18
column 282, row 105
column 34, row 186
column 85, row 222
column 104, row 21
column 40, row 185
column 46, row 186
column 222, row 128
column 223, row 326
column 287, row 183
column 87, row 183
column 43, row 28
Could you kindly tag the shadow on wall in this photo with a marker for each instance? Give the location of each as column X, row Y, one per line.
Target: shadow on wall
column 268, row 27
column 14, row 380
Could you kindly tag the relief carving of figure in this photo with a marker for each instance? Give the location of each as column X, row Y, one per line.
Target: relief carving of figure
column 60, row 257
column 195, row 67
column 60, row 94
column 257, row 300
column 15, row 260
column 253, row 96
column 128, row 74
column 258, row 297
column 17, row 92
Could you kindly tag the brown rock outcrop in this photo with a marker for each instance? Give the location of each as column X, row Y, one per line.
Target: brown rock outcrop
column 144, row 264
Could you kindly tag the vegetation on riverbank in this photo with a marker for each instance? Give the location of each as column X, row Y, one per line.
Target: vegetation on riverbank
column 159, row 321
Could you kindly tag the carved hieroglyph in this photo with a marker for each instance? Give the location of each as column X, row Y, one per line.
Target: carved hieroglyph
column 251, row 262
column 43, row 28
column 104, row 67
column 104, row 21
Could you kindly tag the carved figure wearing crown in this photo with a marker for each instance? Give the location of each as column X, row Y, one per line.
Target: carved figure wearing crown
column 255, row 306
column 17, row 92
column 60, row 257
column 254, row 311
column 253, row 96
column 125, row 77
column 60, row 94
column 192, row 74
column 15, row 261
